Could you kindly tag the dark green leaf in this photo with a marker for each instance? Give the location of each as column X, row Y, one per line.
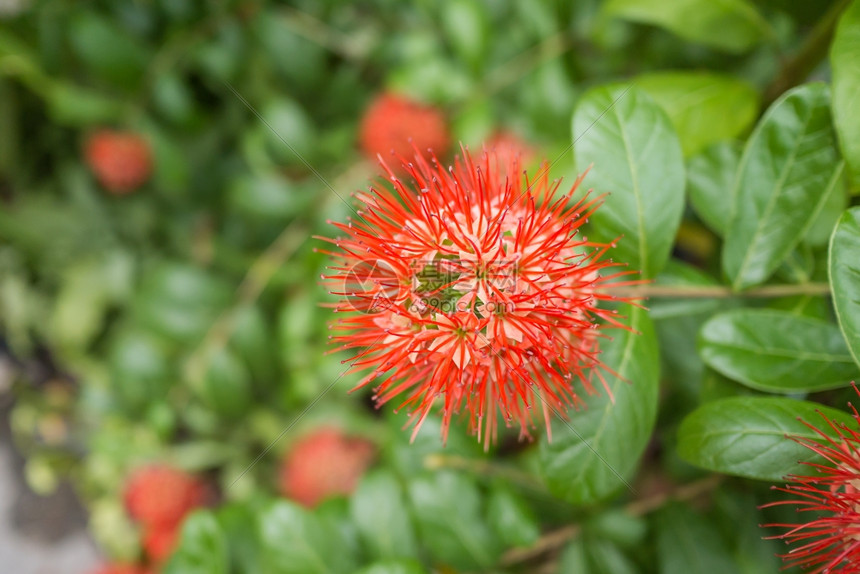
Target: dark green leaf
column 379, row 511
column 844, row 268
column 295, row 541
column 688, row 543
column 746, row 436
column 730, row 25
column 581, row 460
column 636, row 157
column 704, row 107
column 448, row 509
column 202, row 547
column 845, row 62
column 835, row 203
column 710, row 181
column 789, row 163
column 777, row 351
column 594, row 555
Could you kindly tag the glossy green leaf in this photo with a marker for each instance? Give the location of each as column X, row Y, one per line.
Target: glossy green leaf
column 585, row 455
column 777, row 351
column 789, row 163
column 635, row 156
column 730, row 25
column 510, row 516
column 689, row 543
column 202, row 547
column 845, row 63
column 835, row 203
column 844, row 266
column 295, row 541
column 710, row 182
column 746, row 436
column 380, row 514
column 451, row 523
column 704, row 107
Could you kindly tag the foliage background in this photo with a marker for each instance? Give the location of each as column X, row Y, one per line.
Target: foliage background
column 182, row 323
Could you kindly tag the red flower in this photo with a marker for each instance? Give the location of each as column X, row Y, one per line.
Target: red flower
column 830, row 540
column 121, row 569
column 509, row 145
column 162, row 496
column 393, row 121
column 160, row 541
column 323, row 464
column 475, row 293
column 121, row 161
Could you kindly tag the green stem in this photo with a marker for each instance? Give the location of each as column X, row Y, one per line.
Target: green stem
column 720, row 292
column 798, row 67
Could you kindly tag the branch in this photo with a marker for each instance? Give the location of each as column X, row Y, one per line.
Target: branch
column 798, row 67
column 560, row 537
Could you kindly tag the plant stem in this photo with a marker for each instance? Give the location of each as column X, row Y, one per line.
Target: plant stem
column 814, row 48
column 483, row 468
column 558, row 538
column 720, row 291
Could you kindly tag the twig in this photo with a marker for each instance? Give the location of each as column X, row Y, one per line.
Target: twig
column 719, row 291
column 798, row 67
column 560, row 537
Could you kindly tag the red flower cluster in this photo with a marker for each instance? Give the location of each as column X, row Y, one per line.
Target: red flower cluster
column 323, row 464
column 475, row 292
column 830, row 540
column 392, row 121
column 121, row 161
column 159, row 497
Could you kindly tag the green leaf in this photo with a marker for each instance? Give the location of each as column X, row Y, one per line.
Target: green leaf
column 845, row 64
column 710, row 181
column 844, row 267
column 835, row 202
column 511, row 518
column 451, row 521
column 295, row 541
column 379, row 512
column 123, row 63
column 394, row 567
column 789, row 163
column 202, row 547
column 689, row 543
column 594, row 556
column 704, row 107
column 238, row 522
column 635, row 156
column 729, row 25
column 746, row 436
column 777, row 351
column 581, row 460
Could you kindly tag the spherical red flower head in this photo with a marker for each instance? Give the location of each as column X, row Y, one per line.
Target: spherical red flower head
column 160, row 541
column 121, row 569
column 396, row 123
column 121, row 161
column 474, row 291
column 323, row 464
column 162, row 496
column 830, row 540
